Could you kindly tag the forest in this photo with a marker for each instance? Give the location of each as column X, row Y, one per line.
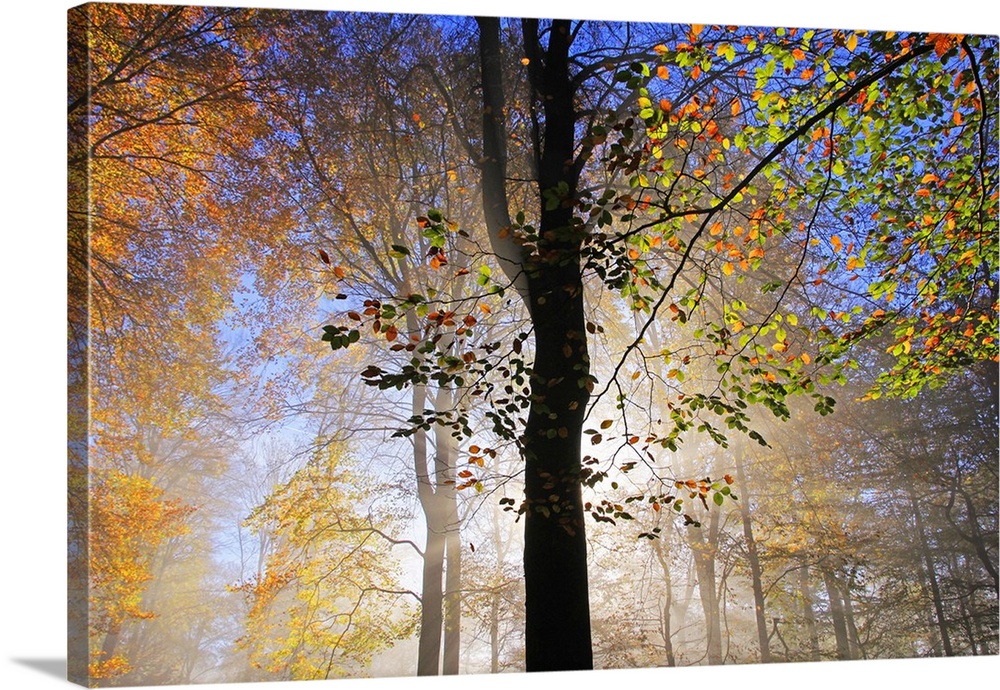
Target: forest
column 420, row 345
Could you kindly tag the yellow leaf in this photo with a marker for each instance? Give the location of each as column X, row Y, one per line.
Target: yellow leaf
column 727, row 268
column 852, row 42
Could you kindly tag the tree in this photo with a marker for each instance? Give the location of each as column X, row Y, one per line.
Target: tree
column 812, row 121
column 128, row 521
column 325, row 600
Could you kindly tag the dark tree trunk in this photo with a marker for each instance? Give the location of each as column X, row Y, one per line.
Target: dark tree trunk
column 754, row 562
column 557, row 608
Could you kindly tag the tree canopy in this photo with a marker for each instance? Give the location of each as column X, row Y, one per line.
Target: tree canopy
column 351, row 294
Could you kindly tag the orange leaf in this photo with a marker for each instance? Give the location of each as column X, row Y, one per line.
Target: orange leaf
column 340, row 272
column 735, row 107
column 942, row 43
column 662, row 72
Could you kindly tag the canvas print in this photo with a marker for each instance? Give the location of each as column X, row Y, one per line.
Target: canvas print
column 416, row 344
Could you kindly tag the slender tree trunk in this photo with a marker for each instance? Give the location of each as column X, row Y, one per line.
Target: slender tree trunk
column 809, row 613
column 704, row 547
column 837, row 614
column 445, row 446
column 557, row 607
column 754, row 562
column 662, row 551
column 431, row 594
column 975, row 535
column 932, row 579
column 857, row 651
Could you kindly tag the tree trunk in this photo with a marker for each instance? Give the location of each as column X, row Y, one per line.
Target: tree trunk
column 754, row 562
column 809, row 613
column 557, row 607
column 431, row 594
column 932, row 579
column 857, row 652
column 704, row 549
column 445, row 446
column 663, row 557
column 837, row 614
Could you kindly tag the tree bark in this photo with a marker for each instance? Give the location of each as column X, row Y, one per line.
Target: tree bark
column 837, row 614
column 445, row 446
column 857, row 651
column 809, row 613
column 704, row 547
column 663, row 557
column 754, row 562
column 431, row 593
column 557, row 606
column 932, row 579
